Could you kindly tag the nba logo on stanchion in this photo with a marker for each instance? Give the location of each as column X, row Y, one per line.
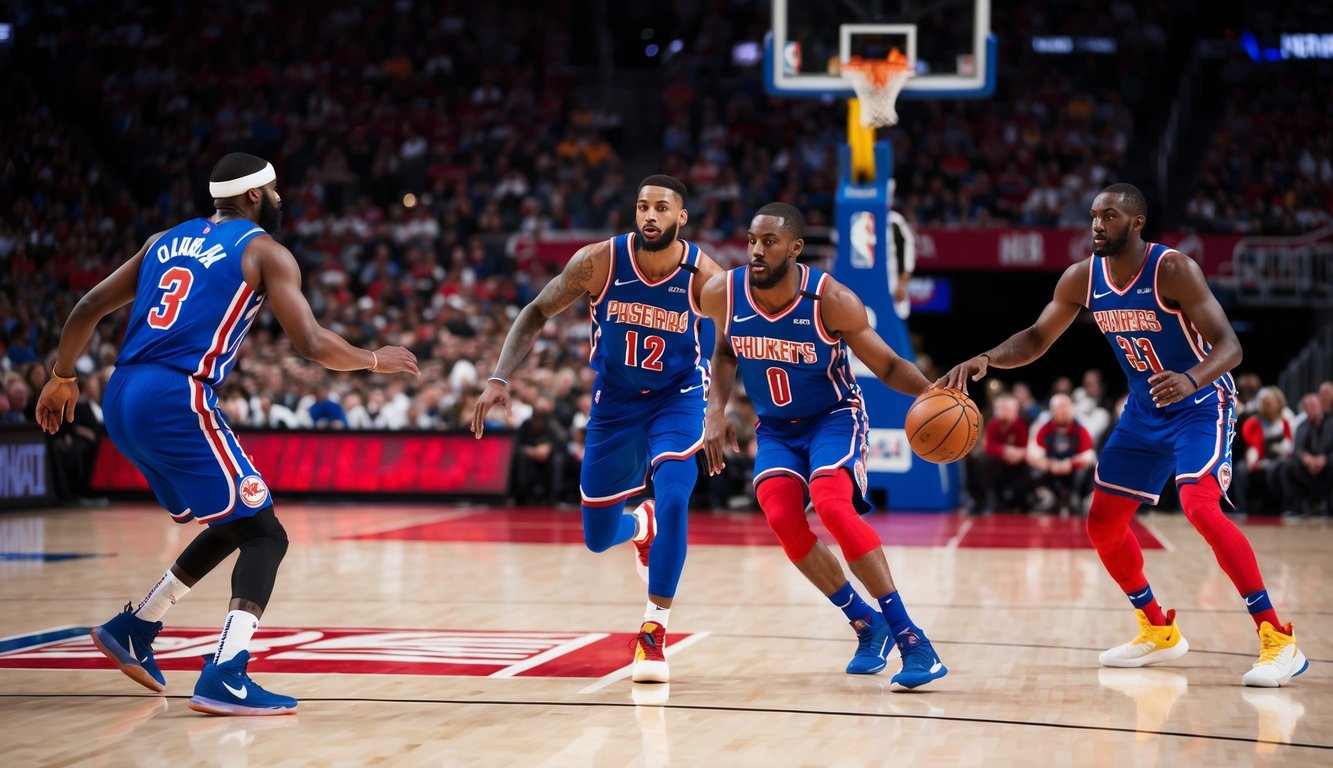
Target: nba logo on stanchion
column 791, row 58
column 863, row 240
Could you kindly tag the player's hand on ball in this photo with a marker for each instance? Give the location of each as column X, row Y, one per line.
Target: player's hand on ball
column 973, row 368
column 719, row 434
column 395, row 360
column 494, row 394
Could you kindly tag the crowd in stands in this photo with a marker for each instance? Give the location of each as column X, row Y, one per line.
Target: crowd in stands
column 405, row 168
column 1031, row 458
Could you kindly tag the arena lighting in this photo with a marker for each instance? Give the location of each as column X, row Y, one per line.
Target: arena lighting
column 1063, row 45
column 409, row 200
column 1291, row 45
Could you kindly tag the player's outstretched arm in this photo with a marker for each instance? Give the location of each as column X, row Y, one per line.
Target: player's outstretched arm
column 842, row 314
column 586, row 273
column 61, row 393
column 280, row 277
column 1181, row 283
column 719, row 432
column 1031, row 342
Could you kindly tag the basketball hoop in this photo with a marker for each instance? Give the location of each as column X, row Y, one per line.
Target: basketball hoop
column 878, row 83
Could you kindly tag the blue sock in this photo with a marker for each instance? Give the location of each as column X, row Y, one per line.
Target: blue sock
column 1258, row 602
column 895, row 613
column 853, row 607
column 1141, row 599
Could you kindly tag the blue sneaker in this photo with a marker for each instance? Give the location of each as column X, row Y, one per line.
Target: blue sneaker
column 226, row 689
column 128, row 641
column 920, row 663
column 872, row 645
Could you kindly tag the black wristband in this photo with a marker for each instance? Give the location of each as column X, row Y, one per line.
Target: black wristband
column 1193, row 380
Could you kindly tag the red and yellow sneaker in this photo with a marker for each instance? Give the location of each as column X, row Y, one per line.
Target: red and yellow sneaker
column 650, row 665
column 646, row 515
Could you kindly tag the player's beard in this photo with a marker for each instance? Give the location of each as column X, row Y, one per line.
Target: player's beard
column 775, row 274
column 270, row 215
column 665, row 237
column 1112, row 247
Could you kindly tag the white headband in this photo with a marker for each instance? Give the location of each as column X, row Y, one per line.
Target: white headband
column 220, row 190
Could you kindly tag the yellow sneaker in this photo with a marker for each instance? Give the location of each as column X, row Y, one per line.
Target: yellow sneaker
column 1153, row 645
column 1279, row 658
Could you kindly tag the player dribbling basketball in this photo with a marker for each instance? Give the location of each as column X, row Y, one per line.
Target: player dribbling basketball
column 787, row 328
column 1177, row 349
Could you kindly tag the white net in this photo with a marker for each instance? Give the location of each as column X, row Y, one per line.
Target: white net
column 877, row 85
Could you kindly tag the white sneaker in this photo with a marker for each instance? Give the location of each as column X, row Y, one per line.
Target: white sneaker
column 1279, row 658
column 1152, row 645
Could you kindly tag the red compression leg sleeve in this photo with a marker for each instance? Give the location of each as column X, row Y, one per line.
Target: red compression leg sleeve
column 782, row 498
column 1202, row 504
column 1108, row 529
column 832, row 495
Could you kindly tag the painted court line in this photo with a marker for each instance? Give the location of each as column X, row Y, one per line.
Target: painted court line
column 624, row 671
column 552, row 653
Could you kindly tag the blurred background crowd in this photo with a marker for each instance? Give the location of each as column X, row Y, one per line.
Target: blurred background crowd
column 413, row 141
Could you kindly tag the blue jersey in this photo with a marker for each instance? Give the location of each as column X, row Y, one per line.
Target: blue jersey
column 1148, row 336
column 646, row 335
column 193, row 307
column 792, row 367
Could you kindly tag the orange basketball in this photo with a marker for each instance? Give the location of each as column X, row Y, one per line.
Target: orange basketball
column 943, row 425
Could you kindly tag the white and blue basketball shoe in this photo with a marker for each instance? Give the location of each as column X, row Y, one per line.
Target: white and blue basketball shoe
column 128, row 641
column 920, row 662
column 226, row 689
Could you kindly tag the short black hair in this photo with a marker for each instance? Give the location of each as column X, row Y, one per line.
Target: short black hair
column 793, row 221
column 237, row 165
column 1135, row 204
column 669, row 182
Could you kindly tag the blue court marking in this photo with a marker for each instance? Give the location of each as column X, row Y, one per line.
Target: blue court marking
column 49, row 557
column 24, row 642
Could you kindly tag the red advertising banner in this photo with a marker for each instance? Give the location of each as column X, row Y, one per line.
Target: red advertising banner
column 353, row 462
column 940, row 250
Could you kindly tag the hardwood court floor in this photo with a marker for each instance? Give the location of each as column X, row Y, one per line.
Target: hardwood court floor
column 418, row 635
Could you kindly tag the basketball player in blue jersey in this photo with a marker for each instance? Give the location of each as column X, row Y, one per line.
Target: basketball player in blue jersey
column 648, row 398
column 1177, row 349
column 787, row 328
column 196, row 289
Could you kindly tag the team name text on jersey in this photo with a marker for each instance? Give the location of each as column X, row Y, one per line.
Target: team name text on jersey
column 192, row 247
column 778, row 350
column 1122, row 320
column 648, row 316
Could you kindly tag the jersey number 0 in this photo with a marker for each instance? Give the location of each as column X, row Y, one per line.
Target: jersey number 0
column 176, row 282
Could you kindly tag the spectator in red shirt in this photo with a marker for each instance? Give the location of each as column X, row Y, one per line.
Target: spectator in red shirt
column 1062, row 454
column 1267, row 437
column 1005, row 476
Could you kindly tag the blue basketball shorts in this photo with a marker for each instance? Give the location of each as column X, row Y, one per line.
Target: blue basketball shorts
column 808, row 448
column 1151, row 444
column 169, row 426
column 630, row 433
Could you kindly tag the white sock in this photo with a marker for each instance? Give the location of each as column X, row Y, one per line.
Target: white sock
column 161, row 597
column 656, row 613
column 236, row 633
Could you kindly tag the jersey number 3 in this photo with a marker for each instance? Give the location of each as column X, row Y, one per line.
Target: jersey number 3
column 1139, row 352
column 176, row 282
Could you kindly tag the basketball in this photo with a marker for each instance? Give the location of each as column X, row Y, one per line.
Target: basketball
column 942, row 425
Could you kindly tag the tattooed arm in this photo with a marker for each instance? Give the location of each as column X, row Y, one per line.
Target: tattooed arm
column 586, row 273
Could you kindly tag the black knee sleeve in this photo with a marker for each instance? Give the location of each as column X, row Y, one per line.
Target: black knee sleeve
column 263, row 543
column 209, row 548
